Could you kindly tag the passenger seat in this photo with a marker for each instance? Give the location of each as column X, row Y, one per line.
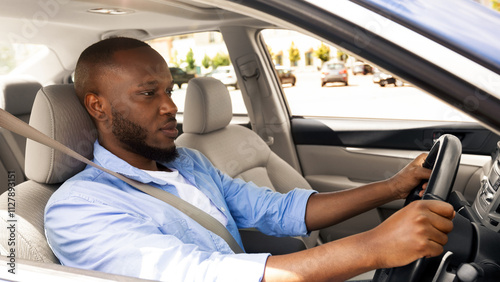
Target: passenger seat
column 239, row 152
column 17, row 94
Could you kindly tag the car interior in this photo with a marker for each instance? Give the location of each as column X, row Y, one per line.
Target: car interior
column 270, row 142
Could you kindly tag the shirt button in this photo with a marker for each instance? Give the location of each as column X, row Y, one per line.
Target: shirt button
column 223, row 209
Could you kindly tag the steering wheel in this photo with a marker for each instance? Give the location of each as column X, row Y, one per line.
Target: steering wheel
column 443, row 159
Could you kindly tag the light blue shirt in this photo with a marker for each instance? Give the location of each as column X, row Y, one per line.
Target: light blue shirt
column 95, row 221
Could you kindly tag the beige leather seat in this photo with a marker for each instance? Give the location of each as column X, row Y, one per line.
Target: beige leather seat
column 57, row 113
column 17, row 94
column 237, row 151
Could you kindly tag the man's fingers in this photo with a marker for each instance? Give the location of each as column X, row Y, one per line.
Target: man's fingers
column 418, row 230
column 422, row 172
column 434, row 249
column 442, row 224
column 438, row 237
column 424, row 186
column 441, row 208
column 435, row 219
column 421, row 158
column 441, row 227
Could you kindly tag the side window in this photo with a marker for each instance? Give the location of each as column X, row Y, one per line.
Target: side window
column 195, row 55
column 17, row 54
column 346, row 86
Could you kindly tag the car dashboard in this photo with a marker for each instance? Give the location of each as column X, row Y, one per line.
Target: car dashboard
column 487, row 203
column 473, row 252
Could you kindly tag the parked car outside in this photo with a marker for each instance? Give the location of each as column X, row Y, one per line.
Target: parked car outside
column 385, row 79
column 334, row 71
column 180, row 77
column 226, row 75
column 286, row 76
column 376, row 75
column 362, row 68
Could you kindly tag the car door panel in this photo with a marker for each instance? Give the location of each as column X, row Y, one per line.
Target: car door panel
column 393, row 134
column 352, row 155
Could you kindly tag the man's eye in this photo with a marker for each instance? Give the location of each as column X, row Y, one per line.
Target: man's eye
column 169, row 92
column 148, row 93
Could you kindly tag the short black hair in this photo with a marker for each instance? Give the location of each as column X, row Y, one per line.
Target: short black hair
column 99, row 55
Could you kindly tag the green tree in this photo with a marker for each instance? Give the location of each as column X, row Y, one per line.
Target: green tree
column 271, row 53
column 342, row 56
column 190, row 60
column 495, row 4
column 322, row 53
column 293, row 54
column 206, row 61
column 220, row 59
column 174, row 60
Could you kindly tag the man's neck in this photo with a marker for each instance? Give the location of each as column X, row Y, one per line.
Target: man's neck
column 162, row 167
column 134, row 159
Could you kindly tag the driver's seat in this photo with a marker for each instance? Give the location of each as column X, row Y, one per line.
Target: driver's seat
column 57, row 113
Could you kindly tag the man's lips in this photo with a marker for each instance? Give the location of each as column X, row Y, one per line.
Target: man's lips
column 170, row 129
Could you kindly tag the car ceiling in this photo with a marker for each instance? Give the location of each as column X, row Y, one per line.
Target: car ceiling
column 67, row 27
column 146, row 14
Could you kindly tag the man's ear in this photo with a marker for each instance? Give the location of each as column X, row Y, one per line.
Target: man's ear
column 94, row 104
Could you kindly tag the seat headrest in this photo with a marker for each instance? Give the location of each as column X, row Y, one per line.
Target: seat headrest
column 17, row 94
column 57, row 112
column 208, row 106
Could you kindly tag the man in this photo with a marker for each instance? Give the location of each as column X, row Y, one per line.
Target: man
column 96, row 221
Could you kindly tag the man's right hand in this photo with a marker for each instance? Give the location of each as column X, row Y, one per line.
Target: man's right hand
column 418, row 230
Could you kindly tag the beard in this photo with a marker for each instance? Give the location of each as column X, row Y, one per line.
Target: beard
column 134, row 136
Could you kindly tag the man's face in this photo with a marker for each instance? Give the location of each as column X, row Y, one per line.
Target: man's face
column 134, row 136
column 142, row 114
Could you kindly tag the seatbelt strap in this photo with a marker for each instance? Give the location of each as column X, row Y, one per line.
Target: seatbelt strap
column 12, row 123
column 250, row 73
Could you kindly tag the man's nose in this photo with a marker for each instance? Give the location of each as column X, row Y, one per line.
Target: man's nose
column 167, row 105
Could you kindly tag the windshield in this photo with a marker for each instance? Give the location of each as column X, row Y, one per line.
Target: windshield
column 479, row 42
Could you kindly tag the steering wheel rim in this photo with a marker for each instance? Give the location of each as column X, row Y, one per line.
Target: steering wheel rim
column 444, row 159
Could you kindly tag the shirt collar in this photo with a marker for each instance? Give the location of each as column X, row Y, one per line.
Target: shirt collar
column 112, row 162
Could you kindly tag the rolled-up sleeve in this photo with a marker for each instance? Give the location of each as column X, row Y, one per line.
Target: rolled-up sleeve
column 270, row 212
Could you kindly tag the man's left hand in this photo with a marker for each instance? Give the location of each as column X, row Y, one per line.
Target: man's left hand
column 409, row 177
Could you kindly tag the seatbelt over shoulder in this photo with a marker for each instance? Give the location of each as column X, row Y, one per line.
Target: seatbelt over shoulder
column 18, row 126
